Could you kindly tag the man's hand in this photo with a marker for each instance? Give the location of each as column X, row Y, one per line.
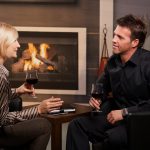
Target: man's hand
column 49, row 104
column 114, row 116
column 95, row 103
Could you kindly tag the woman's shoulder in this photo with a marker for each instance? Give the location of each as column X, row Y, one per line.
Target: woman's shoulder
column 3, row 73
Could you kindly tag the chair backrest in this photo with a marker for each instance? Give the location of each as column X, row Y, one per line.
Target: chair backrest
column 139, row 131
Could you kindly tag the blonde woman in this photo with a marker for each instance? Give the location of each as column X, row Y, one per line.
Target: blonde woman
column 22, row 129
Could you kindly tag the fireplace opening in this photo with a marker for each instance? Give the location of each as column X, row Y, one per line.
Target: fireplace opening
column 55, row 54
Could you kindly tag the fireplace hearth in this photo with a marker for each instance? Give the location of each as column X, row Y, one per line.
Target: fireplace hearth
column 59, row 56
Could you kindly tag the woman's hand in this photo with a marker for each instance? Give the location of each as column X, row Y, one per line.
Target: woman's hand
column 25, row 88
column 49, row 104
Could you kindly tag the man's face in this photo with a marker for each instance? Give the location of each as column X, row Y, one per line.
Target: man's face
column 122, row 40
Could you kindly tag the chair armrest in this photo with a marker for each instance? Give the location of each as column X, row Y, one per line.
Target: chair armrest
column 15, row 104
column 138, row 130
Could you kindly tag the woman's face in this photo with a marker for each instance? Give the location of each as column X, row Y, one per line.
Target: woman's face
column 12, row 50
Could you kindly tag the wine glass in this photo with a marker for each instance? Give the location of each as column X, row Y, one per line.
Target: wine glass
column 31, row 79
column 97, row 92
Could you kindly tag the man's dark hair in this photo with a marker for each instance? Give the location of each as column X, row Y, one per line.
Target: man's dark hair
column 136, row 26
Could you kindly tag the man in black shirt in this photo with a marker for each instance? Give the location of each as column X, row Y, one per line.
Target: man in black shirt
column 127, row 77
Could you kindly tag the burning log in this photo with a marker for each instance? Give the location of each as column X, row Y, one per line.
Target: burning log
column 46, row 61
column 26, row 55
column 18, row 66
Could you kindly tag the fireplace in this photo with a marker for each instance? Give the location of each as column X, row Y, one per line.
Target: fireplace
column 59, row 56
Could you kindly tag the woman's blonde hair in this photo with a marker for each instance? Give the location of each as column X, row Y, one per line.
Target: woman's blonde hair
column 8, row 34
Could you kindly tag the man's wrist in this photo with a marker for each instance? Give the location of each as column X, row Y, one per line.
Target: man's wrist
column 124, row 112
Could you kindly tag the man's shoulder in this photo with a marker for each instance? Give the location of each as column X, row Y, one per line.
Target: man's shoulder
column 145, row 50
column 144, row 58
column 145, row 54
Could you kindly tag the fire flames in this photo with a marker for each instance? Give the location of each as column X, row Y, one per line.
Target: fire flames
column 34, row 59
column 35, row 63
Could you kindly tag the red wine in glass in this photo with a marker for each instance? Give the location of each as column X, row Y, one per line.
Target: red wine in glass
column 96, row 95
column 31, row 78
column 97, row 91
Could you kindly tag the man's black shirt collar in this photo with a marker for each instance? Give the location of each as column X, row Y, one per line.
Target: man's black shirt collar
column 134, row 60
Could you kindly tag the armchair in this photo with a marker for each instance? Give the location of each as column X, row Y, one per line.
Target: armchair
column 138, row 129
column 15, row 104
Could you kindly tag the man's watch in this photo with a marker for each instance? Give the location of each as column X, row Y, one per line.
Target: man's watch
column 124, row 112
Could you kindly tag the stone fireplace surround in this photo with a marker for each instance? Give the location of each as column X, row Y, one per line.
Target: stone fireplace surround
column 79, row 85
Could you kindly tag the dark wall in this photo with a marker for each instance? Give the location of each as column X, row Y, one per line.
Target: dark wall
column 82, row 13
column 122, row 8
